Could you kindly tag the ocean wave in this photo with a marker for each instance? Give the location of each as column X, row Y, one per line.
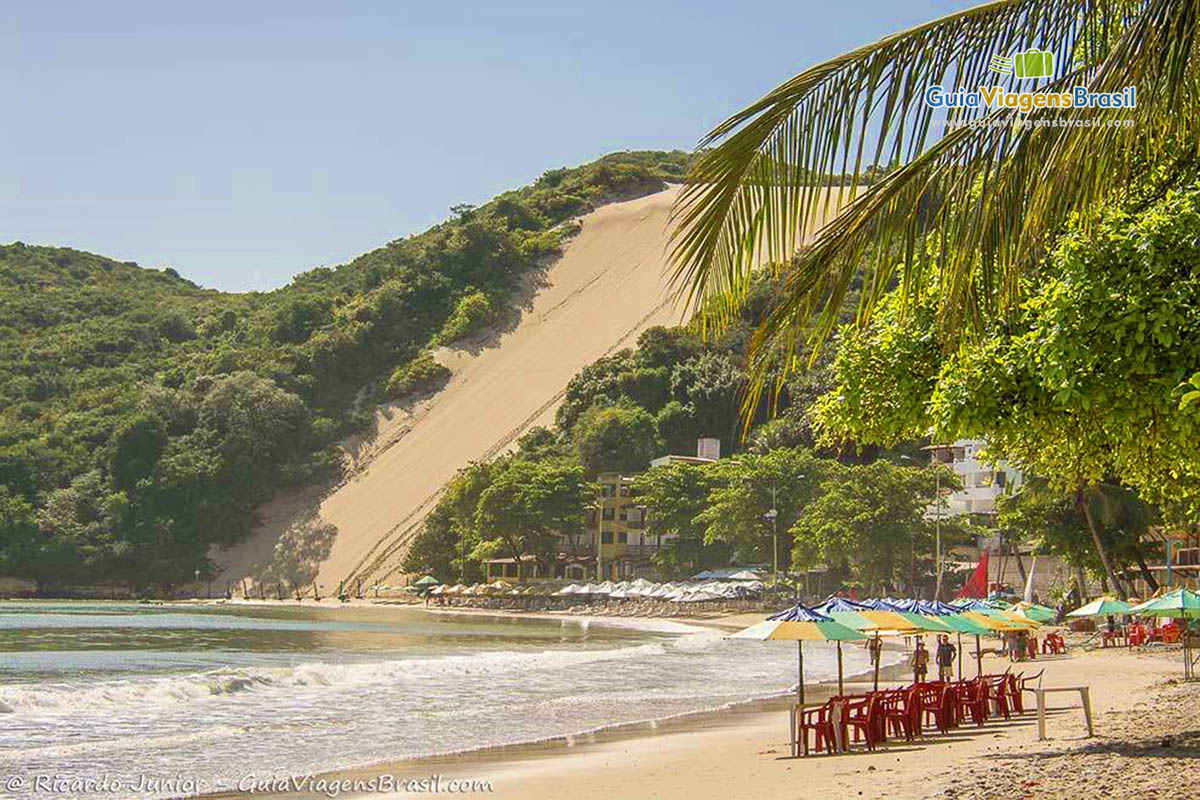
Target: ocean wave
column 201, row 686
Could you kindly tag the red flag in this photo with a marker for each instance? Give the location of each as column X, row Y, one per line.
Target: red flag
column 977, row 584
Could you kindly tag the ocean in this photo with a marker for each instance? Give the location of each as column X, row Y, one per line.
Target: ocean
column 198, row 697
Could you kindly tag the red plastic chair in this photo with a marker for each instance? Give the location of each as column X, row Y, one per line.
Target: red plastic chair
column 997, row 692
column 861, row 720
column 897, row 713
column 935, row 707
column 972, row 696
column 820, row 721
column 1012, row 688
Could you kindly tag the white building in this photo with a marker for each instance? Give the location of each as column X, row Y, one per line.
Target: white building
column 982, row 481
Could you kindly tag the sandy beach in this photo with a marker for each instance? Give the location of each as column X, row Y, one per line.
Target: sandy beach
column 1145, row 745
column 746, row 754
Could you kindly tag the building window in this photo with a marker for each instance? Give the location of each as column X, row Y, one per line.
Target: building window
column 624, row 491
column 609, row 513
column 622, row 537
column 609, row 489
column 606, row 537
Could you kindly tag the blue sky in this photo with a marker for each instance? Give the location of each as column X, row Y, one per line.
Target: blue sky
column 243, row 142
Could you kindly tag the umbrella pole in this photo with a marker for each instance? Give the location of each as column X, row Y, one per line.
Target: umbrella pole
column 800, row 672
column 978, row 656
column 877, row 654
column 839, row 646
column 960, row 655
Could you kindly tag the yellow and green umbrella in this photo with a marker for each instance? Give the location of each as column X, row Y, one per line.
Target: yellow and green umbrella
column 809, row 627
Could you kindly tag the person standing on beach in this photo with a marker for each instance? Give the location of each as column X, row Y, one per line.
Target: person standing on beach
column 920, row 661
column 945, row 658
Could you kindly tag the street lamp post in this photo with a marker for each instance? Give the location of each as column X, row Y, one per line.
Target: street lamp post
column 773, row 515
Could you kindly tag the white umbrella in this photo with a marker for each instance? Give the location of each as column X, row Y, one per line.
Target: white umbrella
column 572, row 588
column 744, row 575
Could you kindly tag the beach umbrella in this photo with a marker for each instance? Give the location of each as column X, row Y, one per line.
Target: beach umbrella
column 1102, row 607
column 744, row 575
column 1014, row 617
column 840, row 604
column 1035, row 612
column 800, row 624
column 1180, row 604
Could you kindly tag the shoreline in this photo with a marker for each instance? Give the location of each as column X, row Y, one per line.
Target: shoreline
column 755, row 710
column 744, row 752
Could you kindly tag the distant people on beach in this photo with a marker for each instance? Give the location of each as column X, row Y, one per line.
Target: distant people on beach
column 945, row 658
column 920, row 661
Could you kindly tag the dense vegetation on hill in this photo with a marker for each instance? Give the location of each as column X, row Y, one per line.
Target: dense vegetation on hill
column 850, row 507
column 143, row 418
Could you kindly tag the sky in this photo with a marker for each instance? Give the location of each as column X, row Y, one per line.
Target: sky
column 244, row 142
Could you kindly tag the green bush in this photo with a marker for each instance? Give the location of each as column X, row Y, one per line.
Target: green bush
column 422, row 374
column 473, row 312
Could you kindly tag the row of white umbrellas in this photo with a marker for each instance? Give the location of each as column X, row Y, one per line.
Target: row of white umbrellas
column 683, row 592
column 676, row 592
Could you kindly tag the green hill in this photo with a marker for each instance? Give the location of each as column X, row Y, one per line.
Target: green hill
column 143, row 418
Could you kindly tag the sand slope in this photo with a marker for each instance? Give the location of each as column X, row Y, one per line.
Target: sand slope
column 608, row 287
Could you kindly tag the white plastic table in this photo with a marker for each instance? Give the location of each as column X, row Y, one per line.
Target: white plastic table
column 1084, row 699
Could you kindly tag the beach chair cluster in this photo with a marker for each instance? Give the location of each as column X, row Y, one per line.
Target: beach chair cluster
column 872, row 719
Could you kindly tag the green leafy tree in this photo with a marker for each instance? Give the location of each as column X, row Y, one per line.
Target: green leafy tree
column 747, row 487
column 676, row 496
column 620, row 438
column 871, row 519
column 527, row 507
column 1082, row 381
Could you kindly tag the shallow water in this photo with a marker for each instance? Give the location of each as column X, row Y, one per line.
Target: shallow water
column 212, row 694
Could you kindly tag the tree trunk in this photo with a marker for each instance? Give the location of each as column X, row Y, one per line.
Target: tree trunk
column 1146, row 574
column 1082, row 500
column 1081, row 584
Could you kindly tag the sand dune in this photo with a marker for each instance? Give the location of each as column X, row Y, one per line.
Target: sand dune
column 607, row 288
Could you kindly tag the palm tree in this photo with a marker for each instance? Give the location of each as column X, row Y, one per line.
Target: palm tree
column 970, row 206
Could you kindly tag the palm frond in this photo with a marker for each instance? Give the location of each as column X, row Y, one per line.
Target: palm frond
column 973, row 205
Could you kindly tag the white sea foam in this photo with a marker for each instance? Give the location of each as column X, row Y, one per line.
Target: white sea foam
column 193, row 687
